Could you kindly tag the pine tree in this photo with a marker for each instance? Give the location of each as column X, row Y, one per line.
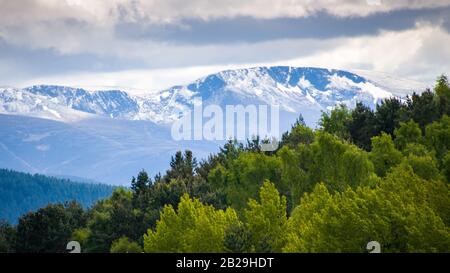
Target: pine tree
column 362, row 126
column 388, row 114
column 442, row 89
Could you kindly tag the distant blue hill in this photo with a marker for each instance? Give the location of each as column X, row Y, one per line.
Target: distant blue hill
column 21, row 193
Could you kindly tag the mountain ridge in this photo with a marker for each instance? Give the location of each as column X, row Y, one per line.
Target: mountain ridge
column 293, row 88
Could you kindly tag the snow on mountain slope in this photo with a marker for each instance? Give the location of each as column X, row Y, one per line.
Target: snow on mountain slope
column 113, row 103
column 21, row 102
column 296, row 89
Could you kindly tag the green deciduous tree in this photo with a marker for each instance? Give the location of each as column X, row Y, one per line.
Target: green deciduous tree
column 408, row 132
column 437, row 137
column 238, row 239
column 400, row 213
column 442, row 89
column 244, row 176
column 299, row 134
column 193, row 227
column 266, row 219
column 336, row 122
column 112, row 219
column 339, row 164
column 446, row 166
column 124, row 245
column 424, row 166
column 294, row 178
column 384, row 155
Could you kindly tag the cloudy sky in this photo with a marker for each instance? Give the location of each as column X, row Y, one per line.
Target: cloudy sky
column 150, row 45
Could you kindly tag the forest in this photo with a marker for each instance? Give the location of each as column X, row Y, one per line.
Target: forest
column 364, row 175
column 22, row 192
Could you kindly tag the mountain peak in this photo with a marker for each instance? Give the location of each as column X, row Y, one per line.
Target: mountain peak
column 305, row 90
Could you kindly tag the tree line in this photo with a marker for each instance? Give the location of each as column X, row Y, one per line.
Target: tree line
column 364, row 175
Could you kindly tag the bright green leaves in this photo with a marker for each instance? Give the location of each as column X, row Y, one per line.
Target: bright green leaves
column 404, row 213
column 437, row 136
column 244, row 176
column 193, row 227
column 408, row 132
column 339, row 164
column 384, row 155
column 124, row 245
column 266, row 219
column 336, row 122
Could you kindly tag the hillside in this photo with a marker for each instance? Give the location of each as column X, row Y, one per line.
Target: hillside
column 21, row 193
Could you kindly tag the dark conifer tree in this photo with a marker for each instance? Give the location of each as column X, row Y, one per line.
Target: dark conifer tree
column 388, row 115
column 362, row 126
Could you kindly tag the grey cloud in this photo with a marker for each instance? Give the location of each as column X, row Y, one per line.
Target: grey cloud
column 249, row 29
column 54, row 38
column 23, row 63
column 20, row 62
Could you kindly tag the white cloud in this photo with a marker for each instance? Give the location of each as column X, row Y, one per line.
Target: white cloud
column 87, row 27
column 417, row 54
column 164, row 11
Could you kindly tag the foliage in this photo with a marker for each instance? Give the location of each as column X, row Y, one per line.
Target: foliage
column 299, row 134
column 244, row 177
column 124, row 245
column 266, row 219
column 336, row 122
column 407, row 132
column 339, row 164
column 7, row 237
column 238, row 239
column 442, row 90
column 49, row 229
column 388, row 114
column 398, row 213
column 384, row 155
column 193, row 227
column 437, row 136
column 362, row 126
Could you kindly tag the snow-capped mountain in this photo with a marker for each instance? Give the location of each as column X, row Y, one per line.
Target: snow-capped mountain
column 113, row 103
column 110, row 135
column 22, row 102
column 295, row 89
